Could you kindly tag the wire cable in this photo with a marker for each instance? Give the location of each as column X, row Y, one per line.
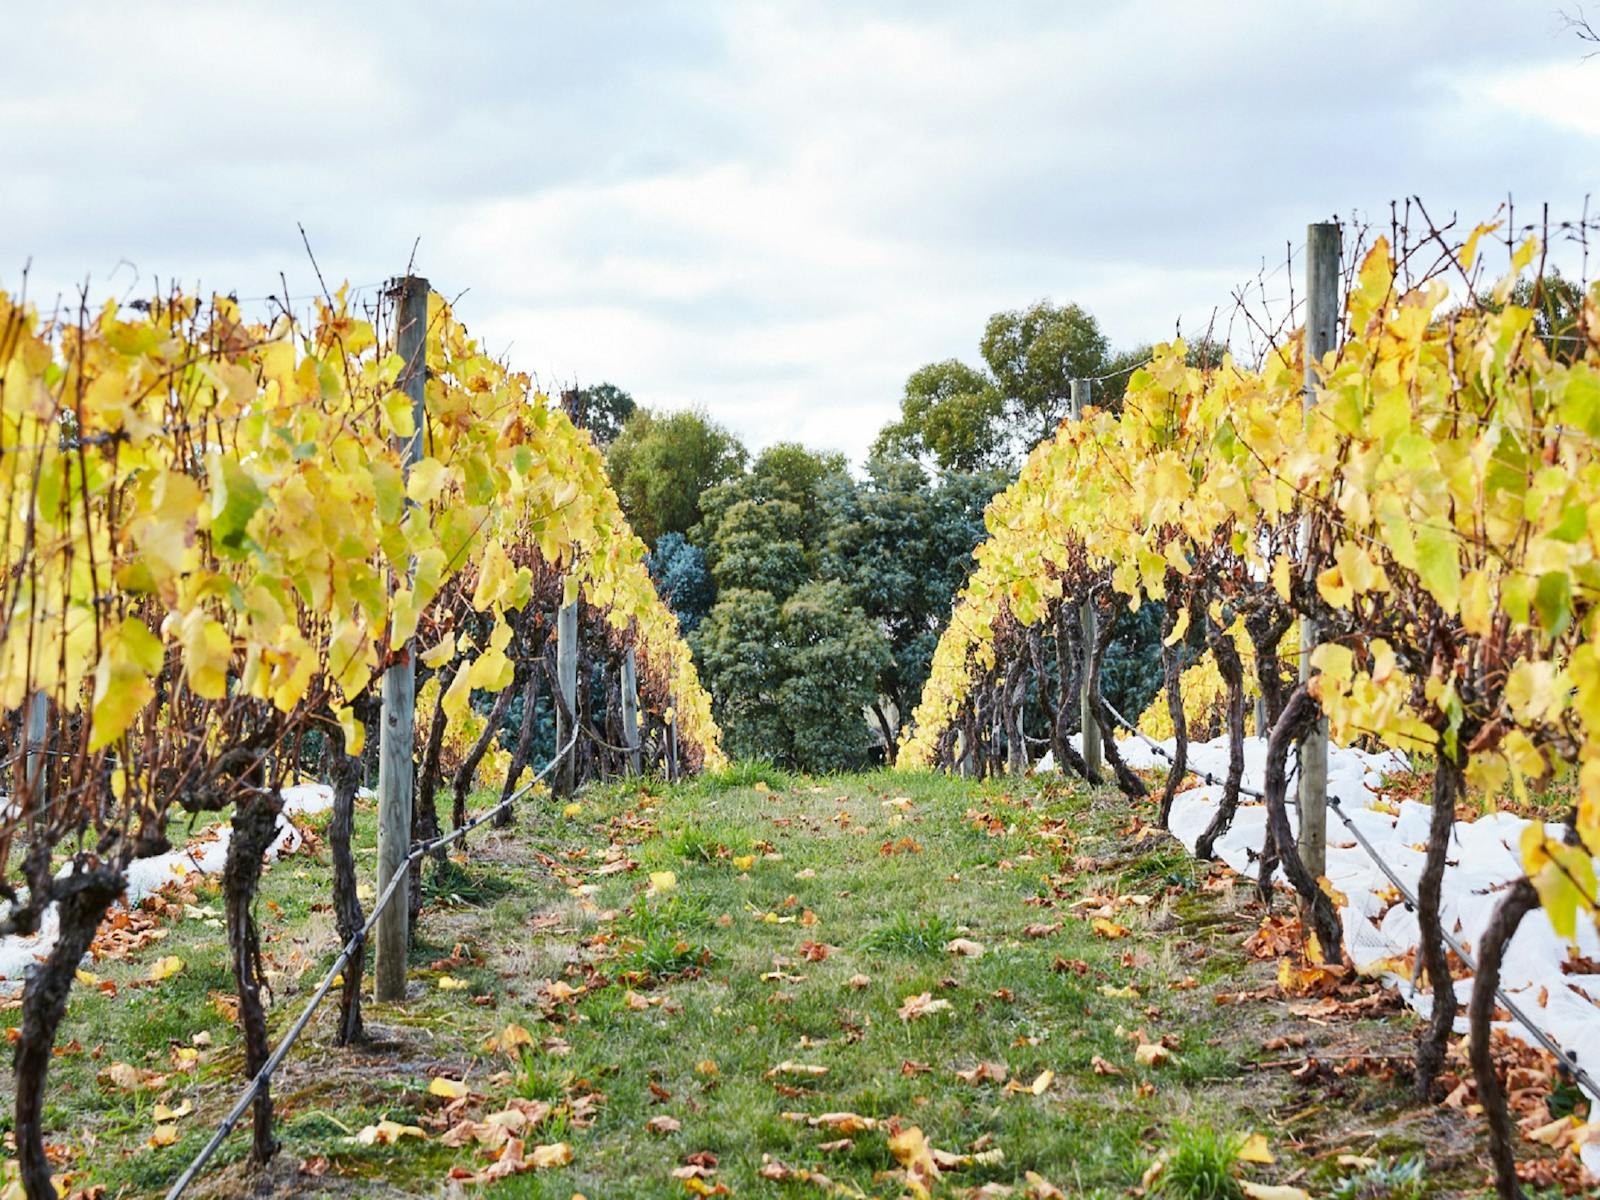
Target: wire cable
column 263, row 1076
column 1567, row 1059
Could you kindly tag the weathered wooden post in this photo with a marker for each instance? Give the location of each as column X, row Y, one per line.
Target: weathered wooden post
column 1089, row 719
column 397, row 728
column 33, row 739
column 630, row 708
column 1321, row 334
column 567, row 686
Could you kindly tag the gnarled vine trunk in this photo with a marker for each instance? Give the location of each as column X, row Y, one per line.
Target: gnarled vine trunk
column 1435, row 1036
column 1069, row 679
column 344, row 774
column 1516, row 904
column 461, row 782
column 1172, row 686
column 524, row 747
column 81, row 903
column 1299, row 714
column 1231, row 668
column 255, row 825
column 1130, row 783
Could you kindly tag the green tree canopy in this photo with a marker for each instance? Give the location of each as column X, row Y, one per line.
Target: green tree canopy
column 661, row 463
column 832, row 656
column 742, row 662
column 901, row 546
column 756, row 545
column 964, row 418
column 786, row 472
column 604, row 410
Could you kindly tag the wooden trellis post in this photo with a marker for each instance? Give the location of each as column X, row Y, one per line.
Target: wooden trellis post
column 33, row 739
column 1089, row 719
column 567, row 706
column 397, row 729
column 630, row 708
column 1322, row 331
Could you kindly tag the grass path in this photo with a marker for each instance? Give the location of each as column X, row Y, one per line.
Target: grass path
column 763, row 984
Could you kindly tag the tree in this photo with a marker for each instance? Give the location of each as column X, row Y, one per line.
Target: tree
column 832, row 655
column 661, row 463
column 785, row 472
column 604, row 410
column 901, row 547
column 965, row 418
column 949, row 413
column 742, row 664
column 754, row 546
column 682, row 578
column 1034, row 354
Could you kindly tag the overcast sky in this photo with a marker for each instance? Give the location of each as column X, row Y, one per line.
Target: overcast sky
column 773, row 210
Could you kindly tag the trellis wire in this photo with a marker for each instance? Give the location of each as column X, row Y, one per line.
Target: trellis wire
column 1567, row 1060
column 420, row 850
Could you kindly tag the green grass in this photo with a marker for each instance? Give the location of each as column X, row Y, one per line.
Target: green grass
column 1200, row 1165
column 804, row 954
column 905, row 933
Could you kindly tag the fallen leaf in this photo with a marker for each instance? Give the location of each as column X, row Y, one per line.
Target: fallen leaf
column 164, row 968
column 843, row 1122
column 858, row 981
column 661, row 1125
column 1268, row 1191
column 790, row 1067
column 1254, row 1150
column 916, row 1007
column 984, row 1072
column 449, row 983
column 662, row 882
column 386, row 1133
column 911, row 1150
column 964, row 947
column 1154, row 1054
column 1105, row 928
column 508, row 1040
column 450, row 1089
column 162, row 1135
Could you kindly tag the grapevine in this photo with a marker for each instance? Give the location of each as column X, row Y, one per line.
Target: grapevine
column 1433, row 512
column 213, row 548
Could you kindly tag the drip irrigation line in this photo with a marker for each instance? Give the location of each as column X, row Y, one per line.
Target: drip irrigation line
column 1567, row 1060
column 264, row 1075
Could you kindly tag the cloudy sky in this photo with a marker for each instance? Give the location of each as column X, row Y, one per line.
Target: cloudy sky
column 773, row 210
